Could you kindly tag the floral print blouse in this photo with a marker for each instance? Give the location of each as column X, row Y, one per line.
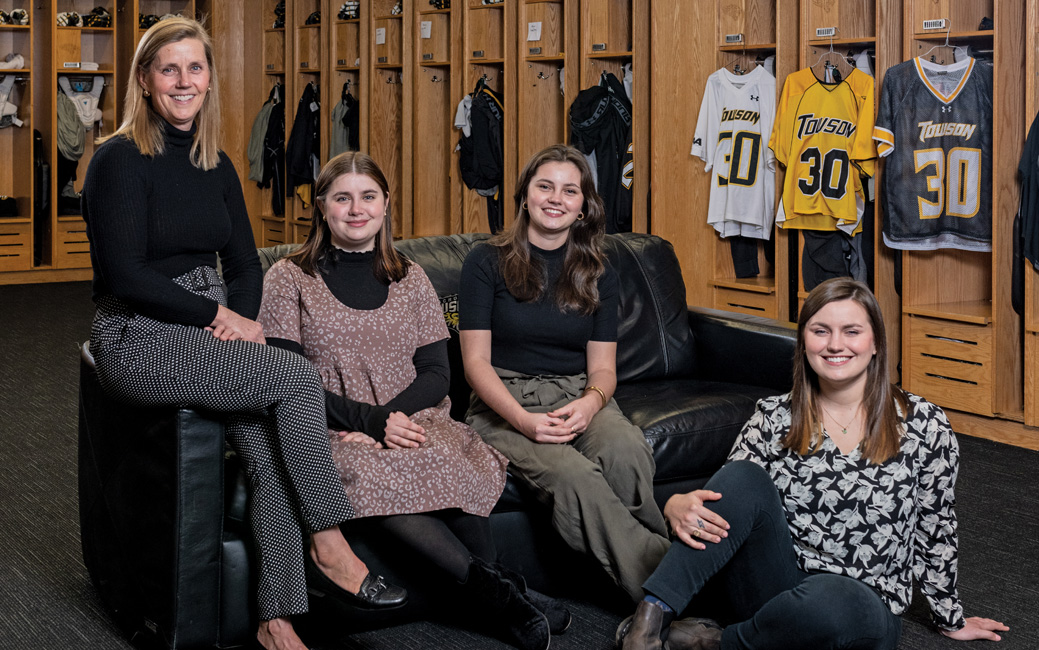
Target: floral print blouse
column 882, row 524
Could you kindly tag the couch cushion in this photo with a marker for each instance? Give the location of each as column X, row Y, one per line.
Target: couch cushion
column 653, row 336
column 690, row 424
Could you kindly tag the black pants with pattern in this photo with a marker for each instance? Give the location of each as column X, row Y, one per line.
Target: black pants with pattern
column 275, row 421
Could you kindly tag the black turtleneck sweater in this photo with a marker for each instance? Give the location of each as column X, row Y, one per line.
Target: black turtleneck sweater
column 351, row 279
column 151, row 219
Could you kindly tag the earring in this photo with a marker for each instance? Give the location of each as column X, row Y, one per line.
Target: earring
column 524, row 206
column 146, row 93
column 580, row 216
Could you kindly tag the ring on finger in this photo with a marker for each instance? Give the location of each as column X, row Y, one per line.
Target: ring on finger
column 696, row 533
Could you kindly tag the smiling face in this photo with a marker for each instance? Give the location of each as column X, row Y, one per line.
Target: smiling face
column 839, row 345
column 178, row 80
column 554, row 200
column 355, row 209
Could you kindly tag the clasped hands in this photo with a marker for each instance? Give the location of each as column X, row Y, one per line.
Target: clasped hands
column 401, row 433
column 230, row 326
column 692, row 521
column 563, row 424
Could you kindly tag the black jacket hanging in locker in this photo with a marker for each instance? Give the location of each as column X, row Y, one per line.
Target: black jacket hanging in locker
column 481, row 161
column 345, row 133
column 304, row 143
column 274, row 158
column 1026, row 244
column 259, row 133
column 600, row 124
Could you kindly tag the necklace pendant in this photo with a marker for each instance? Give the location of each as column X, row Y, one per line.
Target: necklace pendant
column 844, row 431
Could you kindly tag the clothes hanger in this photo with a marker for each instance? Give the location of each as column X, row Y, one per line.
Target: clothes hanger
column 833, row 60
column 956, row 48
column 738, row 59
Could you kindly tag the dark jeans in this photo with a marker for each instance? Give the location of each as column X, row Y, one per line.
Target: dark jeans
column 754, row 571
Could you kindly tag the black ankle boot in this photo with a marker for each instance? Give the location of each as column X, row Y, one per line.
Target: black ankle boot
column 508, row 610
column 558, row 615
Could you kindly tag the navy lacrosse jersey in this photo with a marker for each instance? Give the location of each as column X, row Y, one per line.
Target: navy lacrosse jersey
column 934, row 126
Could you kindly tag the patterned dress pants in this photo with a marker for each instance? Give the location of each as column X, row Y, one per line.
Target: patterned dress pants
column 275, row 421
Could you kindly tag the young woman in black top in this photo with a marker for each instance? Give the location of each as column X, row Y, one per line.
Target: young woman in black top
column 538, row 321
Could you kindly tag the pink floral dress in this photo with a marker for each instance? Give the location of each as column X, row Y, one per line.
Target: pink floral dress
column 366, row 356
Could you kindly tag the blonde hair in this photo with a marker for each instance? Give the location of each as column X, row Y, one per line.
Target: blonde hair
column 142, row 124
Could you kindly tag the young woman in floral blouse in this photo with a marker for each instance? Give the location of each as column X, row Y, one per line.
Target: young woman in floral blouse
column 835, row 498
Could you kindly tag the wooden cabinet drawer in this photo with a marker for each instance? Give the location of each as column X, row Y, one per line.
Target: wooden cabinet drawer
column 15, row 246
column 745, row 302
column 273, row 233
column 73, row 251
column 950, row 363
column 300, row 232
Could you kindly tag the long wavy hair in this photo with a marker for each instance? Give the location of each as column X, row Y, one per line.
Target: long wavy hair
column 142, row 124
column 880, row 400
column 577, row 289
column 388, row 265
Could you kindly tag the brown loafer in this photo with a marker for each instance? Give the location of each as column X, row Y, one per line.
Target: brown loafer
column 694, row 634
column 643, row 629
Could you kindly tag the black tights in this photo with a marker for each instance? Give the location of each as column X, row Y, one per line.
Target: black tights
column 446, row 538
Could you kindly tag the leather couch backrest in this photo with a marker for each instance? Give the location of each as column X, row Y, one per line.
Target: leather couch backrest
column 654, row 339
column 653, row 336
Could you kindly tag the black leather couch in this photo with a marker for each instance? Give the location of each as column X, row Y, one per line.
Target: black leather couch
column 162, row 500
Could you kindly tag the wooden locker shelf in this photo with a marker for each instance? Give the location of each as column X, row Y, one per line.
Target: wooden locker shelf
column 759, row 25
column 538, row 81
column 1031, row 316
column 276, row 59
column 433, row 113
column 389, row 96
column 950, row 295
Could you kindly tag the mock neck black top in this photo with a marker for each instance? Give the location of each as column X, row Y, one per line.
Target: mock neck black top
column 151, row 219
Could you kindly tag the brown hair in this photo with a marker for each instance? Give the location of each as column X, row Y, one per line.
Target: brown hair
column 578, row 288
column 142, row 124
column 883, row 425
column 388, row 265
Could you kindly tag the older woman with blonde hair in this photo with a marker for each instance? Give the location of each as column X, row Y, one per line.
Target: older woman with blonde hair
column 162, row 203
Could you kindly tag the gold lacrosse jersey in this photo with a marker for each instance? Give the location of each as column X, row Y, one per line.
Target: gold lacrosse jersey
column 824, row 136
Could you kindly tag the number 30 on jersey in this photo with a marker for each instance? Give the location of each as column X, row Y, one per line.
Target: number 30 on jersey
column 955, row 181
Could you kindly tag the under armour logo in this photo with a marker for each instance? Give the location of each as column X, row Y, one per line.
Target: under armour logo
column 755, row 98
column 946, row 109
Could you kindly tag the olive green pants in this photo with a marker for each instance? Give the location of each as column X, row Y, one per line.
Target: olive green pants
column 599, row 486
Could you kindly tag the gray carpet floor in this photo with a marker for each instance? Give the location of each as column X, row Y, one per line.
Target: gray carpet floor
column 47, row 601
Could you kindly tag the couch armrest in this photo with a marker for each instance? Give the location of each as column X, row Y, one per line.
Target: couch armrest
column 151, row 514
column 743, row 349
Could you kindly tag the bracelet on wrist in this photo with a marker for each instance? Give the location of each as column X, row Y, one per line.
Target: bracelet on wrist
column 602, row 395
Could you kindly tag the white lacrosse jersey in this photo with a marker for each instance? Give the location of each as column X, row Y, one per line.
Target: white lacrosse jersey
column 731, row 137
